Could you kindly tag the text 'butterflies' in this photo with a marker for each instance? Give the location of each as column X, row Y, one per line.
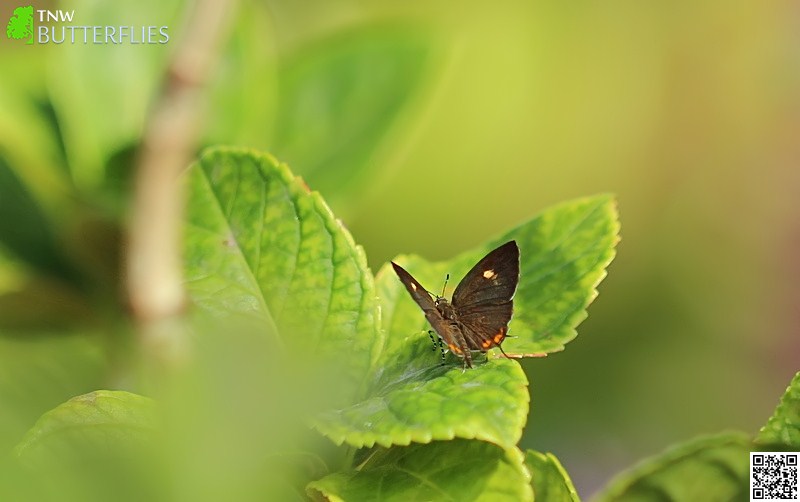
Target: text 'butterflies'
column 477, row 317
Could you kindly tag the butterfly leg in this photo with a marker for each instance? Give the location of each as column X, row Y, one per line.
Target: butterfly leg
column 437, row 341
column 503, row 351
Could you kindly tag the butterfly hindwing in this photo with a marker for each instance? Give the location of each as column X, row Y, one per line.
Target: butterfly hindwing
column 486, row 327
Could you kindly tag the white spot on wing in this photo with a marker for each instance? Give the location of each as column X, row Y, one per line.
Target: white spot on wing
column 413, row 286
column 489, row 274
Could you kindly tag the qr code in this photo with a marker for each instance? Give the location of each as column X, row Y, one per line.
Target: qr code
column 773, row 476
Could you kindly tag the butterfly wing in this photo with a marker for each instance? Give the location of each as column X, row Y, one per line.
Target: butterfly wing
column 483, row 299
column 420, row 295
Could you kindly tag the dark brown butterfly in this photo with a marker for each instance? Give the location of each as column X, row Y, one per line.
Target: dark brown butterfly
column 477, row 319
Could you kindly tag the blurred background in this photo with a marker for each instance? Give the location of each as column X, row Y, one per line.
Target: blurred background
column 432, row 126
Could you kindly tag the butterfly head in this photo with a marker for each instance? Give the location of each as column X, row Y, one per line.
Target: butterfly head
column 445, row 308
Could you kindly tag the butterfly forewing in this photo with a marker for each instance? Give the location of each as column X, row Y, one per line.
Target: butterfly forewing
column 483, row 299
column 492, row 280
column 415, row 289
column 421, row 296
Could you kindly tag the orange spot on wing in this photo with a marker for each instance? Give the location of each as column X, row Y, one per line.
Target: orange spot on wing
column 454, row 348
column 499, row 336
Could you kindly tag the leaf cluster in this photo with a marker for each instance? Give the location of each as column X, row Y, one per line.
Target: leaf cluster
column 308, row 376
column 260, row 243
column 283, row 294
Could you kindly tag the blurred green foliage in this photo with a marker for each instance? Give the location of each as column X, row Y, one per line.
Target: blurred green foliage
column 447, row 126
column 259, row 244
column 550, row 481
column 709, row 468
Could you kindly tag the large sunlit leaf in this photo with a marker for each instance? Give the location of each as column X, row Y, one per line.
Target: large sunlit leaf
column 103, row 92
column 564, row 252
column 453, row 470
column 340, row 96
column 243, row 88
column 550, row 481
column 259, row 243
column 709, row 468
column 783, row 427
column 489, row 402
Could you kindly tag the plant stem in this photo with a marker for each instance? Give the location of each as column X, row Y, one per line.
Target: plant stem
column 154, row 254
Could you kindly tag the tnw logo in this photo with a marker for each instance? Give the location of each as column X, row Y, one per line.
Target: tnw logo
column 20, row 26
column 57, row 16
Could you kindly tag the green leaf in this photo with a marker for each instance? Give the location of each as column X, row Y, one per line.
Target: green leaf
column 129, row 77
column 38, row 370
column 99, row 418
column 259, row 243
column 563, row 256
column 550, row 481
column 235, row 400
column 454, row 470
column 341, row 95
column 783, row 427
column 123, row 76
column 25, row 229
column 29, row 136
column 243, row 92
column 709, row 468
column 97, row 446
column 12, row 275
column 489, row 402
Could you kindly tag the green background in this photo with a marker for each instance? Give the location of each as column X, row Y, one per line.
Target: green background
column 446, row 124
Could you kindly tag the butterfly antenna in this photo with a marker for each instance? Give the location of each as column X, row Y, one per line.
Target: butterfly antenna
column 446, row 278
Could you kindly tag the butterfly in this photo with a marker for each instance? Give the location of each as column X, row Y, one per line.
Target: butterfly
column 477, row 318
